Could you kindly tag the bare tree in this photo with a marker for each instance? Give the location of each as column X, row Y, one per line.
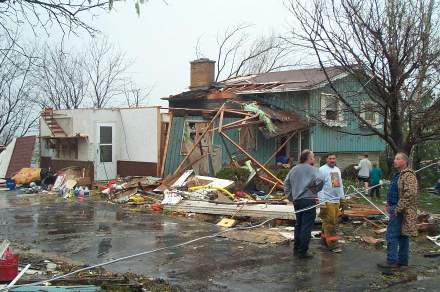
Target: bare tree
column 66, row 14
column 61, row 79
column 135, row 96
column 392, row 48
column 18, row 116
column 106, row 68
column 239, row 54
column 69, row 16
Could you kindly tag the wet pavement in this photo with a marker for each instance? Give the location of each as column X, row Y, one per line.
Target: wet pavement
column 92, row 232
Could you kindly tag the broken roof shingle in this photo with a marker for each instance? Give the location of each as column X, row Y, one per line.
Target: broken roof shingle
column 292, row 80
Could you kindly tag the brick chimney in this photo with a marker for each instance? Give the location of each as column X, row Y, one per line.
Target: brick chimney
column 202, row 73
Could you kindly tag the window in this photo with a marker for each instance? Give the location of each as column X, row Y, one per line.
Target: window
column 106, row 153
column 105, row 136
column 331, row 109
column 370, row 114
column 191, row 133
column 105, row 143
column 248, row 138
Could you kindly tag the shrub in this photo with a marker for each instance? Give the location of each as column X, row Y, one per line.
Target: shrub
column 350, row 173
column 280, row 172
column 238, row 175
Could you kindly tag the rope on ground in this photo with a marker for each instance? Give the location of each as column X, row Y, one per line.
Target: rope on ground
column 177, row 245
column 158, row 249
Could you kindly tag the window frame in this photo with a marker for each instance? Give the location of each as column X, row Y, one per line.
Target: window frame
column 185, row 125
column 363, row 114
column 254, row 130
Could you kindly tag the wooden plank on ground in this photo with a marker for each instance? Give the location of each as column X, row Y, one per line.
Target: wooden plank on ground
column 258, row 210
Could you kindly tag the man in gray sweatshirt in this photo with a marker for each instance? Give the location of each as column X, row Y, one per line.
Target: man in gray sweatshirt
column 301, row 186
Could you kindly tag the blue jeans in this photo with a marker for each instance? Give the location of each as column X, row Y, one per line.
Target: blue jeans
column 304, row 224
column 397, row 244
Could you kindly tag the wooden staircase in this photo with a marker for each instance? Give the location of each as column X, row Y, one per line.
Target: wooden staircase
column 52, row 123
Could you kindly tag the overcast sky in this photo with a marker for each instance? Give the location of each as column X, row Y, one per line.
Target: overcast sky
column 161, row 41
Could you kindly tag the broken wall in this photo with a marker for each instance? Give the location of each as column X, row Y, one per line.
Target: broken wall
column 263, row 150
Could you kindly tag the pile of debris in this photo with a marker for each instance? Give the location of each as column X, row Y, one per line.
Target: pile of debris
column 69, row 182
column 132, row 191
column 192, row 193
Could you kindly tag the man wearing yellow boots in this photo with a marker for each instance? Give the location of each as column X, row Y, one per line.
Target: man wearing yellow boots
column 331, row 193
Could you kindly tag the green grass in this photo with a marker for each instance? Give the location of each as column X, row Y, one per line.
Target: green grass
column 427, row 202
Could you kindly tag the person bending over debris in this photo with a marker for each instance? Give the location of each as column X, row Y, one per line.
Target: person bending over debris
column 301, row 187
column 331, row 193
column 402, row 209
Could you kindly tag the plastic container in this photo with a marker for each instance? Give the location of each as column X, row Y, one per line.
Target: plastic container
column 8, row 266
column 10, row 184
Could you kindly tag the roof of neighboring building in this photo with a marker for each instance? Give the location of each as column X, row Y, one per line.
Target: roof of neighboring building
column 282, row 81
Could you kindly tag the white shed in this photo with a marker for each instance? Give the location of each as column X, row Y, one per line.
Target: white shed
column 106, row 142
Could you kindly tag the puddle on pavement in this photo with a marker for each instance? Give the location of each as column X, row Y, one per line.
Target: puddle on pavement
column 93, row 232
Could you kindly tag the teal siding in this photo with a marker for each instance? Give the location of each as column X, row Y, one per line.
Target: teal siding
column 329, row 139
column 173, row 157
column 297, row 102
column 320, row 138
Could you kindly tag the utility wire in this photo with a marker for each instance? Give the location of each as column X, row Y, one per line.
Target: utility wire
column 178, row 245
column 158, row 249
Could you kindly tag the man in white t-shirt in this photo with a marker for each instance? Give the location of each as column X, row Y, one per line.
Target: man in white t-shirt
column 331, row 193
column 364, row 168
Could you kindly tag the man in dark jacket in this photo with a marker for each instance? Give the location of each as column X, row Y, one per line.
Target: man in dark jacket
column 301, row 186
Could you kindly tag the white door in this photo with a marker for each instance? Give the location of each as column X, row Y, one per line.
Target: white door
column 105, row 163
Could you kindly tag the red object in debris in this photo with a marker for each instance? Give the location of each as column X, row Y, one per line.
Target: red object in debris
column 109, row 185
column 8, row 266
column 156, row 207
column 241, row 194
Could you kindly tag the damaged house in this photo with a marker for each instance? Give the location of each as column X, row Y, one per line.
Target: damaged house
column 296, row 110
column 104, row 142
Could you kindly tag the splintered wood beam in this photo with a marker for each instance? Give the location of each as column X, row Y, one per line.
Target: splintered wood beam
column 237, row 112
column 272, row 189
column 164, row 158
column 269, row 181
column 281, row 147
column 235, row 123
column 231, row 159
column 252, row 123
column 220, row 124
column 253, row 159
column 199, row 139
column 243, row 113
